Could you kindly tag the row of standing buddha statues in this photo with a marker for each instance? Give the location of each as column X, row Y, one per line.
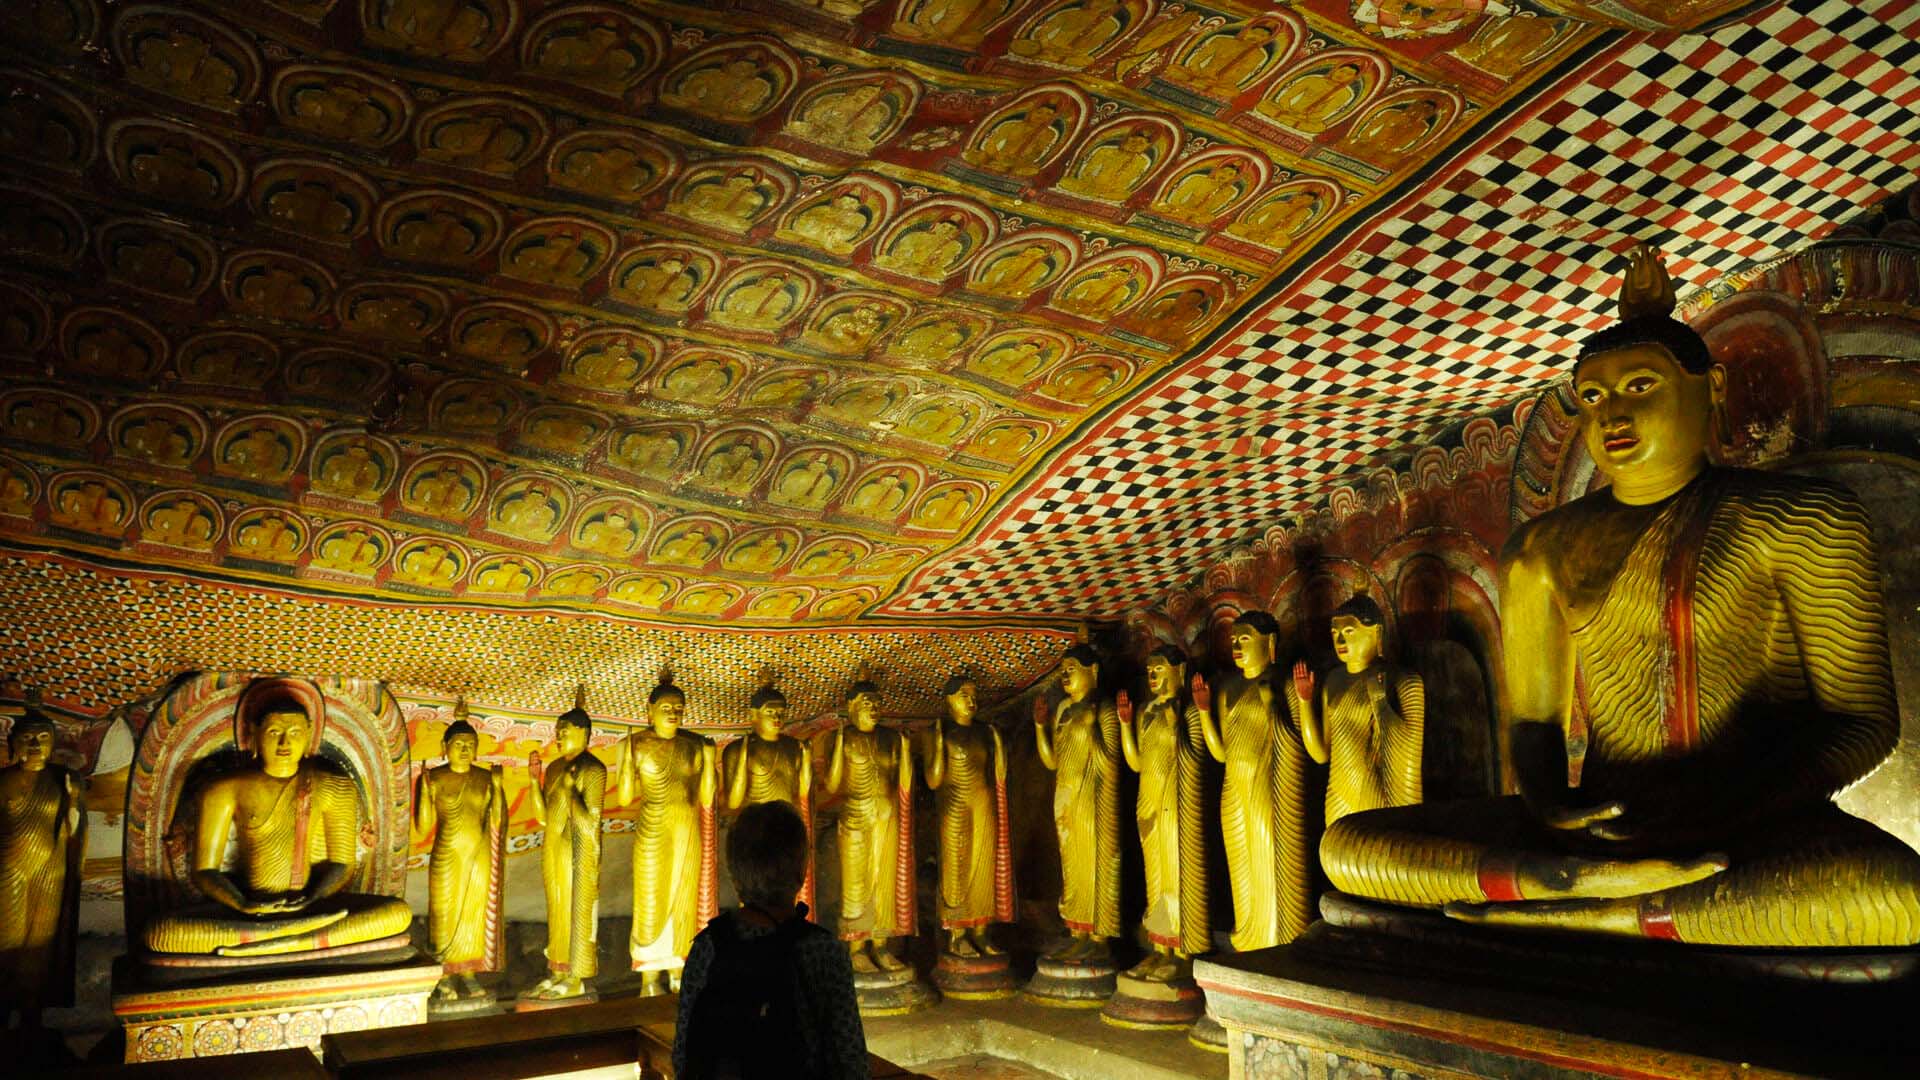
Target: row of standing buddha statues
column 1366, row 722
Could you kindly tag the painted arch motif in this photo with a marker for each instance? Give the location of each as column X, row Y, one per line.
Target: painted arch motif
column 611, row 165
column 1324, row 89
column 936, row 239
column 461, row 31
column 853, row 113
column 181, row 55
column 340, row 104
column 610, row 360
column 1072, row 34
column 735, row 82
column 595, row 46
column 1027, row 134
column 1121, row 157
column 731, row 195
column 1226, row 60
column 841, row 216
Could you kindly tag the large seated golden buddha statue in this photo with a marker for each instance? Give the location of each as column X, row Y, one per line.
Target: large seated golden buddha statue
column 1704, row 650
column 273, row 844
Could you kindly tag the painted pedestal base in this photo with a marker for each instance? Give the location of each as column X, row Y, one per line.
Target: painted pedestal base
column 1148, row 1003
column 228, row 1016
column 1342, row 1002
column 1071, row 984
column 892, row 993
column 975, row 978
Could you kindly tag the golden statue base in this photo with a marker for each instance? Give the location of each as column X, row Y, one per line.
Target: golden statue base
column 1354, row 1002
column 1170, row 1004
column 892, row 993
column 975, row 978
column 233, row 1013
column 1071, row 984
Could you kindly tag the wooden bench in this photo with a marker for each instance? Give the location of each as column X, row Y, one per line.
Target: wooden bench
column 620, row 1031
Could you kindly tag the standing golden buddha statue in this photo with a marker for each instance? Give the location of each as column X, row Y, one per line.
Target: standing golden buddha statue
column 567, row 796
column 41, row 823
column 1263, row 797
column 766, row 766
column 670, row 774
column 1167, row 746
column 294, row 825
column 1724, row 630
column 462, row 806
column 873, row 768
column 967, row 770
column 1368, row 723
column 1080, row 742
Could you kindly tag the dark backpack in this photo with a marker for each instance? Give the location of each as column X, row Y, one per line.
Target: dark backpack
column 746, row 1024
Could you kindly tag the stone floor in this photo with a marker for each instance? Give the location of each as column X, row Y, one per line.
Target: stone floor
column 978, row 1067
column 1019, row 1040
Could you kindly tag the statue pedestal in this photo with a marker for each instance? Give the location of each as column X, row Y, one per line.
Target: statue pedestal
column 1071, row 984
column 1341, row 1001
column 1153, row 1003
column 527, row 1004
column 892, row 993
column 1208, row 1033
column 235, row 1013
column 975, row 978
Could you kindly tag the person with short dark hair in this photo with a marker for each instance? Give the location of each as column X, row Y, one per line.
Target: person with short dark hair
column 766, row 993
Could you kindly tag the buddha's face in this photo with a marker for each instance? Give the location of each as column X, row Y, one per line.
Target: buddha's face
column 281, row 738
column 860, row 711
column 962, row 702
column 768, row 719
column 1345, row 74
column 31, row 748
column 1163, row 677
column 665, row 714
column 1252, row 651
column 1643, row 412
column 461, row 750
column 1355, row 643
column 1078, row 679
column 571, row 738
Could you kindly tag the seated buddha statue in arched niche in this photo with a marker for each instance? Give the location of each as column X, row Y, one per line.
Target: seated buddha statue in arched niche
column 292, row 824
column 1724, row 631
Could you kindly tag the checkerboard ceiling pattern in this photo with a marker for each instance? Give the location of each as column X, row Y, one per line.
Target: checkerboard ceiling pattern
column 1723, row 149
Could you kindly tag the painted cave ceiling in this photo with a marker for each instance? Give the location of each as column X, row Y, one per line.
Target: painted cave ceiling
column 767, row 312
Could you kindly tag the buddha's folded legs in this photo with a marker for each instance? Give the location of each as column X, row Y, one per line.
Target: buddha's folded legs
column 340, row 920
column 1821, row 879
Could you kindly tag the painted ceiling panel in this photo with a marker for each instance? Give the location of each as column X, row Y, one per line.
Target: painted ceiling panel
column 707, row 312
column 1725, row 149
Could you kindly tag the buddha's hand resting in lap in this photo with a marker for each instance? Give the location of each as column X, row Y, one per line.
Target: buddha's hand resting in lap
column 277, row 904
column 1600, row 820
